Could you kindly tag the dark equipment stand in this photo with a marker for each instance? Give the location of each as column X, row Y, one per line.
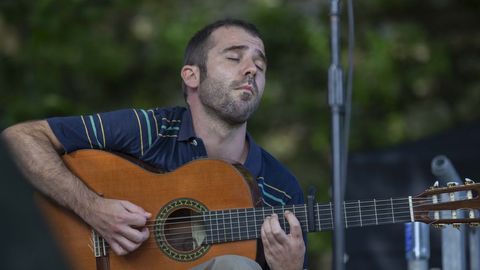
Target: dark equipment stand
column 336, row 102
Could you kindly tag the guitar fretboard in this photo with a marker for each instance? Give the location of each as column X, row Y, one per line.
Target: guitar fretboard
column 244, row 224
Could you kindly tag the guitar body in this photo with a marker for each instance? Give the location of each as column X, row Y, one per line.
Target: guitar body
column 211, row 184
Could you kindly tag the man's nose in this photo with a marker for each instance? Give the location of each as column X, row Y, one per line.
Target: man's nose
column 250, row 68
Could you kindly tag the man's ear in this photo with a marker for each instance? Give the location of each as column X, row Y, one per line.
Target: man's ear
column 191, row 76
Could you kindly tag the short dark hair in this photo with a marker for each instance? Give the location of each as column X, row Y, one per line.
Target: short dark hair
column 197, row 48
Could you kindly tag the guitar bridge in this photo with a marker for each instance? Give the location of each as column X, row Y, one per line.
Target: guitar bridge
column 99, row 245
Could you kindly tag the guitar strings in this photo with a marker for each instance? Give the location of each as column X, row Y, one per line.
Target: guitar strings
column 152, row 243
column 379, row 220
column 385, row 220
column 363, row 216
column 352, row 220
column 326, row 207
column 301, row 215
column 321, row 209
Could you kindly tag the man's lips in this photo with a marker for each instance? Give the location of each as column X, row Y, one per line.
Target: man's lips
column 246, row 87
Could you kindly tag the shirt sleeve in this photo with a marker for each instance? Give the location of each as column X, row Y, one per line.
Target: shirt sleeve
column 129, row 131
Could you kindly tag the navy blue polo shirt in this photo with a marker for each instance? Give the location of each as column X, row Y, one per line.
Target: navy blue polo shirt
column 165, row 138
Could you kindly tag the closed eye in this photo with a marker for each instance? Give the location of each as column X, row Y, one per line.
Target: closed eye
column 233, row 59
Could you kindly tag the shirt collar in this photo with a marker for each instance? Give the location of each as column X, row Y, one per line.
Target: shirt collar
column 186, row 131
column 254, row 157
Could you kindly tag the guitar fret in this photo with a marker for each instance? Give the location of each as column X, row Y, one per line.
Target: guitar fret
column 323, row 217
column 303, row 218
column 262, row 220
column 283, row 218
column 331, row 214
column 208, row 228
column 223, row 225
column 252, row 223
column 255, row 219
column 351, row 214
column 384, row 211
column 231, row 225
column 375, row 206
column 218, row 229
column 210, row 223
column 306, row 218
column 318, row 214
column 360, row 213
column 367, row 212
column 219, row 226
column 262, row 214
column 238, row 225
column 258, row 222
column 345, row 214
column 393, row 214
column 215, row 227
column 246, row 223
column 227, row 225
column 211, row 220
column 242, row 224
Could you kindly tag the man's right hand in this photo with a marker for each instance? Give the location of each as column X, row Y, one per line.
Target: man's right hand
column 121, row 224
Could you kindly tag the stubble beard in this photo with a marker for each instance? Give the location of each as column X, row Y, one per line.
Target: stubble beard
column 224, row 102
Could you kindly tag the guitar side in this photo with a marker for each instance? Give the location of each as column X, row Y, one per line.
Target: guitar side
column 215, row 184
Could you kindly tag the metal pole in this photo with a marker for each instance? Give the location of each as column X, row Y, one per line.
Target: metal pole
column 453, row 240
column 417, row 245
column 336, row 102
column 474, row 244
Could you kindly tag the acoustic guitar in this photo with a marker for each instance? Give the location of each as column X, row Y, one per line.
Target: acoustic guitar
column 208, row 208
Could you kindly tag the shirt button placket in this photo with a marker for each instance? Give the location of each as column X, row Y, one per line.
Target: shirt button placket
column 194, row 142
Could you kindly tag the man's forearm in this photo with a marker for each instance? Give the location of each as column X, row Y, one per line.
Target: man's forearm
column 39, row 160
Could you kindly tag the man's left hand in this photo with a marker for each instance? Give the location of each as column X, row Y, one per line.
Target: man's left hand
column 283, row 251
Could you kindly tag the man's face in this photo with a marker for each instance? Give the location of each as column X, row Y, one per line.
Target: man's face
column 235, row 80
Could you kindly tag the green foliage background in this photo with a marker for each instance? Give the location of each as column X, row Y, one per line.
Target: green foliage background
column 416, row 69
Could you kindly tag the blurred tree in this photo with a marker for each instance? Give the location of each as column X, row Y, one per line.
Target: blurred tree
column 417, row 66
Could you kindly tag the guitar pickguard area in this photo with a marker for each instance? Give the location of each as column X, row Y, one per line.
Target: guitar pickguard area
column 179, row 230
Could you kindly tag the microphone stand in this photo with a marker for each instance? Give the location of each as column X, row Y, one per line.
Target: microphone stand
column 337, row 103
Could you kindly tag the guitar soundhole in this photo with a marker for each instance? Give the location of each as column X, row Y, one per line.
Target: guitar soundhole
column 179, row 230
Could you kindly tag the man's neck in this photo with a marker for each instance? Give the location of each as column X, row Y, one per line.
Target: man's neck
column 222, row 140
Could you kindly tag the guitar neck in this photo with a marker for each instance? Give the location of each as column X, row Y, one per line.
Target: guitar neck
column 244, row 224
